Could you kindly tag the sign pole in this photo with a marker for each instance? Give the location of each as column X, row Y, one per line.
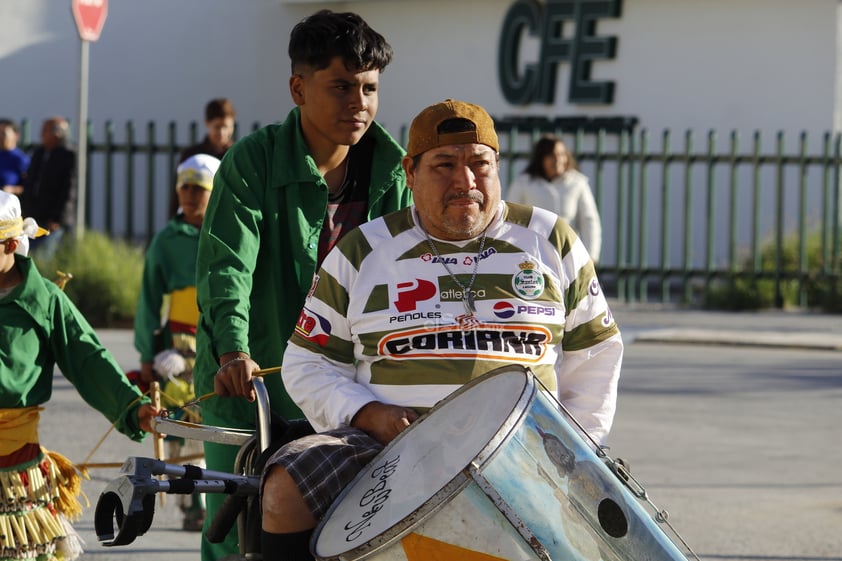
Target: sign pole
column 82, row 154
column 89, row 16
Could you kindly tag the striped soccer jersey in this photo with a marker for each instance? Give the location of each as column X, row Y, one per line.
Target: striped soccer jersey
column 386, row 320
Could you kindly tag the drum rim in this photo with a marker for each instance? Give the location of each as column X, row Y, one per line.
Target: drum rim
column 453, row 487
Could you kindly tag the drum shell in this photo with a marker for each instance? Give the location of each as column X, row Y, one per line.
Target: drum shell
column 534, row 489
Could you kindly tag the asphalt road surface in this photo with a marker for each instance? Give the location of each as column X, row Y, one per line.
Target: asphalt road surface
column 740, row 444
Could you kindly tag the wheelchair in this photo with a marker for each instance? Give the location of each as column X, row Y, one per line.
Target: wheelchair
column 519, row 480
column 126, row 507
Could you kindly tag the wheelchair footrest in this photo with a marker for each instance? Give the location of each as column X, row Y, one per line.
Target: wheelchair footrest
column 129, row 500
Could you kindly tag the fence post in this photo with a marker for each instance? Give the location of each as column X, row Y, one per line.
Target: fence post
column 108, row 148
column 622, row 256
column 665, row 216
column 779, row 219
column 755, row 233
column 130, row 150
column 734, row 200
column 710, row 209
column 172, row 150
column 802, row 221
column 688, row 215
column 836, row 259
column 643, row 220
column 150, row 179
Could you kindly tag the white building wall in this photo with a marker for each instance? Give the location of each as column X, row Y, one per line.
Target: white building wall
column 682, row 64
column 722, row 65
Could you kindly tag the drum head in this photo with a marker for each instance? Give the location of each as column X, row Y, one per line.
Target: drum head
column 421, row 468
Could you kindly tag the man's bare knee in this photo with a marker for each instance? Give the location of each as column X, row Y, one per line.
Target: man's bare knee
column 284, row 509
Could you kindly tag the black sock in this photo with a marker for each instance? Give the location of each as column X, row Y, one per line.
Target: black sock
column 286, row 547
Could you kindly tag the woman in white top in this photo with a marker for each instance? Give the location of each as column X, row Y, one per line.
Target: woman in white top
column 553, row 181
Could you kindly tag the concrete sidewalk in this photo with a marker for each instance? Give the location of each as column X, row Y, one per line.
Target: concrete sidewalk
column 665, row 323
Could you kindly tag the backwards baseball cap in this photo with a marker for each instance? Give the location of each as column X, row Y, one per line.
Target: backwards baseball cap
column 424, row 131
column 197, row 170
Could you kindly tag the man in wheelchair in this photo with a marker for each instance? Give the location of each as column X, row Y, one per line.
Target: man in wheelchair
column 411, row 306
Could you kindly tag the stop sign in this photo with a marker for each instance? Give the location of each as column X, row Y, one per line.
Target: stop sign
column 90, row 17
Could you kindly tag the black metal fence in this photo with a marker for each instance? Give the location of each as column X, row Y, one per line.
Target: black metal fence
column 680, row 212
column 683, row 215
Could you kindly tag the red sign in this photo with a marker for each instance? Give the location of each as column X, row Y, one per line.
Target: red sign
column 90, row 17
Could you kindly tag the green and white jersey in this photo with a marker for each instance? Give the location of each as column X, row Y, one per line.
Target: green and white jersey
column 385, row 319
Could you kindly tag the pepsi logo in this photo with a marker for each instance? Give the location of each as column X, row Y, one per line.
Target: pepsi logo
column 503, row 310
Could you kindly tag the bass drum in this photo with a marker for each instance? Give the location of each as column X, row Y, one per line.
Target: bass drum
column 494, row 471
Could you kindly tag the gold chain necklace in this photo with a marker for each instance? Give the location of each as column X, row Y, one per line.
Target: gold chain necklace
column 467, row 295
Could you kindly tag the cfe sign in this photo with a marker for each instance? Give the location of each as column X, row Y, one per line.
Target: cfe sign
column 90, row 17
column 566, row 33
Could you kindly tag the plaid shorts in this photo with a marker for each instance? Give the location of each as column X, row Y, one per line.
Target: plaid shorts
column 323, row 464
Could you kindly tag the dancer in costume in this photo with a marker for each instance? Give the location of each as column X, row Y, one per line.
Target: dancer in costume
column 168, row 296
column 41, row 329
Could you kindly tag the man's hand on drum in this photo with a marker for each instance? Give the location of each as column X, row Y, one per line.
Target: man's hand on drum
column 382, row 421
column 233, row 379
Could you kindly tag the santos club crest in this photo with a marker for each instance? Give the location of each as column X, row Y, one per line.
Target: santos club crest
column 528, row 283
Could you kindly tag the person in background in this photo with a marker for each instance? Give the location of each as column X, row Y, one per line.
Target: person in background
column 220, row 118
column 40, row 329
column 552, row 180
column 167, row 314
column 406, row 309
column 282, row 197
column 13, row 160
column 49, row 194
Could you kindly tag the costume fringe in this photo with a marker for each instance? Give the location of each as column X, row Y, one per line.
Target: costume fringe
column 40, row 499
column 69, row 486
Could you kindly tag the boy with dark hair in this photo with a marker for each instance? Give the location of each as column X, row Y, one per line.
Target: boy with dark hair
column 219, row 123
column 282, row 197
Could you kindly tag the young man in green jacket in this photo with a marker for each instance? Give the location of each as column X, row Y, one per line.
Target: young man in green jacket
column 282, row 197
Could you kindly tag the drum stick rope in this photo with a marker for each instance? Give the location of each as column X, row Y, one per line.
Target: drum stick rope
column 173, row 460
column 256, row 374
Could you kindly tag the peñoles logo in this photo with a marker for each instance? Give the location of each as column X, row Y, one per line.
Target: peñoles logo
column 412, row 292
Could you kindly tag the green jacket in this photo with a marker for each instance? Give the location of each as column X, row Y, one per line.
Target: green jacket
column 258, row 249
column 169, row 264
column 42, row 328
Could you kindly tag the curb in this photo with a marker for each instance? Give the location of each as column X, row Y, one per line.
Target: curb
column 793, row 340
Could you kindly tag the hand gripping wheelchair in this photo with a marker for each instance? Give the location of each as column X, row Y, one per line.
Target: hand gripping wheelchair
column 126, row 507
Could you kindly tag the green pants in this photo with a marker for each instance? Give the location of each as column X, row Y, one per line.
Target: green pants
column 218, row 457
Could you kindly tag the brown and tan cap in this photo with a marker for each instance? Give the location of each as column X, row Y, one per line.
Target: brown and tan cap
column 424, row 135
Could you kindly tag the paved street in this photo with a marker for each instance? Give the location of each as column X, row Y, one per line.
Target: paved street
column 734, row 433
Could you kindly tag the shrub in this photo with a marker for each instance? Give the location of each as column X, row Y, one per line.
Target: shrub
column 106, row 277
column 813, row 290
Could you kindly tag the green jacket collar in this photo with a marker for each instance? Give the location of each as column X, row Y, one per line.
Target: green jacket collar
column 32, row 295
